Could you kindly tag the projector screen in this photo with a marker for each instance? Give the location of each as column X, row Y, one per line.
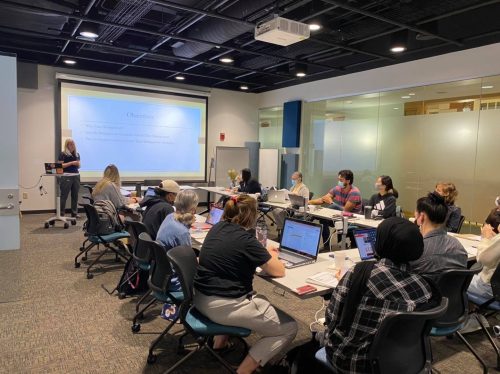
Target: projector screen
column 146, row 134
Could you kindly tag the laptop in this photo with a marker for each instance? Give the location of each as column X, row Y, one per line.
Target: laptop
column 277, row 197
column 150, row 192
column 296, row 201
column 365, row 241
column 54, row 168
column 214, row 216
column 299, row 242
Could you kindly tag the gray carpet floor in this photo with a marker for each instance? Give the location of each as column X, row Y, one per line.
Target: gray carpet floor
column 54, row 320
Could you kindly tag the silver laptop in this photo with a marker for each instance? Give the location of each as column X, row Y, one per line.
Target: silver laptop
column 299, row 243
column 277, row 197
column 296, row 201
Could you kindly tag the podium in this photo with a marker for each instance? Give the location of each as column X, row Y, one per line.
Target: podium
column 52, row 220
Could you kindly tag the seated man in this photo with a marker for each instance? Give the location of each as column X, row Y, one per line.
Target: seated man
column 441, row 251
column 344, row 196
column 248, row 184
column 159, row 206
column 356, row 311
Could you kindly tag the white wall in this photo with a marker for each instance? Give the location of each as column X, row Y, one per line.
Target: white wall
column 234, row 113
column 471, row 63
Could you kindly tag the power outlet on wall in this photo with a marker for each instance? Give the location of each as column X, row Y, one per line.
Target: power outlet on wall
column 25, row 195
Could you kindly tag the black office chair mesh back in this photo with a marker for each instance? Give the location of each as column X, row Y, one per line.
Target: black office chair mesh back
column 184, row 262
column 453, row 285
column 401, row 343
column 161, row 271
column 139, row 252
column 93, row 222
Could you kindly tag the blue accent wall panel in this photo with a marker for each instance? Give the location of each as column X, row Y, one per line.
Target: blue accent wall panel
column 292, row 112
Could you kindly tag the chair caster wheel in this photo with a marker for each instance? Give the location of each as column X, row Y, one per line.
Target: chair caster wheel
column 52, row 223
column 136, row 327
column 73, row 222
column 121, row 295
column 84, row 258
column 66, row 225
column 46, row 225
column 90, row 275
column 151, row 359
column 77, row 265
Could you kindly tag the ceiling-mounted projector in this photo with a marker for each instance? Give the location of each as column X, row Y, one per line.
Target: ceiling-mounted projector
column 282, row 31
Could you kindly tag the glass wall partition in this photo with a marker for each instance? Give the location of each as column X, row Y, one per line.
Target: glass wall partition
column 418, row 136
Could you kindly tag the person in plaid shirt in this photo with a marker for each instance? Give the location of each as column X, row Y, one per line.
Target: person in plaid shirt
column 391, row 287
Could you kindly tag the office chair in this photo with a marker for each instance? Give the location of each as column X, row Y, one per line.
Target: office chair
column 140, row 255
column 110, row 241
column 159, row 283
column 488, row 307
column 184, row 262
column 401, row 344
column 311, row 194
column 90, row 190
column 453, row 285
column 460, row 223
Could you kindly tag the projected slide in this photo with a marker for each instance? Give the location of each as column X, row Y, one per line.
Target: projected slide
column 144, row 134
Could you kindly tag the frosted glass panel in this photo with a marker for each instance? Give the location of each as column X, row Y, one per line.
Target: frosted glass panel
column 418, row 136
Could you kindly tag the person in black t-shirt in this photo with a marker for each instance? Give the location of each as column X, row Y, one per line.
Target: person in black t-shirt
column 223, row 283
column 384, row 202
column 70, row 159
column 248, row 184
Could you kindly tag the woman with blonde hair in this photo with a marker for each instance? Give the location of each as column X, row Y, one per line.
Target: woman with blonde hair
column 449, row 193
column 223, row 284
column 108, row 188
column 70, row 160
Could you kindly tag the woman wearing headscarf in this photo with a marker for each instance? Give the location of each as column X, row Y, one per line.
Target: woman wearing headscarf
column 389, row 286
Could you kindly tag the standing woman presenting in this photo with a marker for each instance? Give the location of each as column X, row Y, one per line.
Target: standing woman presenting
column 71, row 163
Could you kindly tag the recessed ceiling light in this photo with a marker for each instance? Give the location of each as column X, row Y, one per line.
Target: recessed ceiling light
column 226, row 60
column 411, row 94
column 398, row 49
column 314, row 26
column 395, row 108
column 217, row 46
column 180, row 77
column 405, row 97
column 243, row 87
column 486, row 87
column 69, row 61
column 300, row 74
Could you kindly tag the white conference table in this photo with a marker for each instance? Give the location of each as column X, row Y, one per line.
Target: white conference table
column 296, row 277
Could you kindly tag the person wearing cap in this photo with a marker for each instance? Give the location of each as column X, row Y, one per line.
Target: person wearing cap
column 158, row 207
column 390, row 287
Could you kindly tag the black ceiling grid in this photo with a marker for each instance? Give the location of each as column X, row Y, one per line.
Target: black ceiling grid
column 165, row 39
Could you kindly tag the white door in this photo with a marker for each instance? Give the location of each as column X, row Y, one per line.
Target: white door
column 9, row 156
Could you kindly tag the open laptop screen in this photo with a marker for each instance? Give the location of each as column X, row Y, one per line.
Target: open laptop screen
column 365, row 241
column 301, row 237
column 214, row 216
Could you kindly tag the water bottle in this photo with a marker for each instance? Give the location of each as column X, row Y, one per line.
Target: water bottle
column 261, row 232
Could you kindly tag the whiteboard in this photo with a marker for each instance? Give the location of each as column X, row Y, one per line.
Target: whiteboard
column 268, row 167
column 229, row 158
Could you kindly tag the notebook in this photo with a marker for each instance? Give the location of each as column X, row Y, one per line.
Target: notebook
column 277, row 196
column 54, row 168
column 365, row 241
column 324, row 278
column 299, row 242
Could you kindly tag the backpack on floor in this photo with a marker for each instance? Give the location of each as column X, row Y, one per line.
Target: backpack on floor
column 133, row 280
